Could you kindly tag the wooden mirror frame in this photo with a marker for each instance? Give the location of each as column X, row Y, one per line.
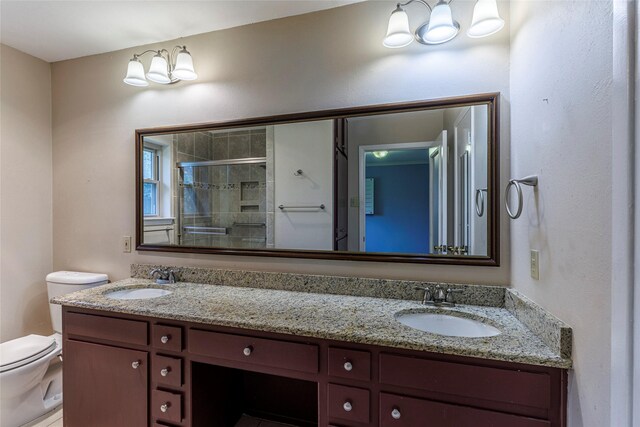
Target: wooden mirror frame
column 493, row 179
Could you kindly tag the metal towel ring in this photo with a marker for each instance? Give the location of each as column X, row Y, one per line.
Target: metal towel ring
column 529, row 180
column 480, row 206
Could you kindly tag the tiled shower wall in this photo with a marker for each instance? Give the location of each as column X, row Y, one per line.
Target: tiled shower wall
column 231, row 198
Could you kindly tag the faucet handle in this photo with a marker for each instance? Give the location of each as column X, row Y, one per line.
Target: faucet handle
column 428, row 293
column 172, row 276
column 439, row 294
column 450, row 292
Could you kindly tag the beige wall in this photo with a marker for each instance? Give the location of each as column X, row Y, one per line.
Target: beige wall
column 25, row 190
column 568, row 145
column 329, row 59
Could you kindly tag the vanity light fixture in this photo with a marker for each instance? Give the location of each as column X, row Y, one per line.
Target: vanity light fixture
column 441, row 27
column 165, row 68
column 380, row 154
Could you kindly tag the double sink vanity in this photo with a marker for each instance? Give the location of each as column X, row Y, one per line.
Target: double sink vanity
column 305, row 350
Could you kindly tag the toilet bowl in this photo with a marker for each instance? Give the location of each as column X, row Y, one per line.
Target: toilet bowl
column 30, row 366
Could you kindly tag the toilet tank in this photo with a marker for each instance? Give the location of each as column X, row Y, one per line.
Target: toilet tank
column 64, row 282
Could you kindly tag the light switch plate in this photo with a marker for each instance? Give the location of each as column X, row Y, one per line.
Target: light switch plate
column 535, row 264
column 126, row 244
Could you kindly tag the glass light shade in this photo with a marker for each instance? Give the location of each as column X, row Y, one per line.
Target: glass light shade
column 184, row 66
column 380, row 154
column 135, row 74
column 442, row 27
column 398, row 32
column 486, row 19
column 158, row 71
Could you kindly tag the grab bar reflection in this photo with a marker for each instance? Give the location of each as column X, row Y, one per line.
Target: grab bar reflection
column 531, row 181
column 480, row 205
column 213, row 231
column 283, row 207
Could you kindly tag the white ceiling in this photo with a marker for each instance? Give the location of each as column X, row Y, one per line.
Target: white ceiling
column 58, row 30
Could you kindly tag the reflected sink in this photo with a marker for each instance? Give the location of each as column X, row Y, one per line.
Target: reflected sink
column 140, row 293
column 443, row 324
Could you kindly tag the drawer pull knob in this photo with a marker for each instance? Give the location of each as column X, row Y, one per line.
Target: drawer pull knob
column 135, row 364
column 347, row 406
column 164, row 339
column 395, row 414
column 164, row 407
column 348, row 366
column 247, row 351
column 165, row 371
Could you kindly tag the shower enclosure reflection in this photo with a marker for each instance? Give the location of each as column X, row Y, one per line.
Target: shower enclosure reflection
column 394, row 183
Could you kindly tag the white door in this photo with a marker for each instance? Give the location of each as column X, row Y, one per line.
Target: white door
column 306, row 147
column 438, row 195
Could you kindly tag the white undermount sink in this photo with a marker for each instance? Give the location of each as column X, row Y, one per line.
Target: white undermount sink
column 139, row 293
column 443, row 324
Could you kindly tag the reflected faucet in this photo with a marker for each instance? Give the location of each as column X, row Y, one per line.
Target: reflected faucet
column 163, row 276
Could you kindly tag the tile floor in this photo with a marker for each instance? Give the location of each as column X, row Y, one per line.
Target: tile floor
column 53, row 420
column 247, row 421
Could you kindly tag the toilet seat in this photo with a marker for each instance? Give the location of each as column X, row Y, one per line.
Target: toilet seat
column 24, row 350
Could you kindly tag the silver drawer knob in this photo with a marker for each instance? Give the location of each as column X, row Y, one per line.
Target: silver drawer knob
column 348, row 366
column 164, row 372
column 347, row 406
column 395, row 414
column 164, row 407
column 135, row 364
column 247, row 351
column 164, row 339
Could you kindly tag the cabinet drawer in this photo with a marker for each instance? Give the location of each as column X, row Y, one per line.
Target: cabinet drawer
column 167, row 370
column 257, row 351
column 106, row 328
column 400, row 411
column 348, row 403
column 168, row 338
column 456, row 379
column 166, row 406
column 350, row 364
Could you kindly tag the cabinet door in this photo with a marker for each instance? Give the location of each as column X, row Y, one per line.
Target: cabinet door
column 104, row 386
column 401, row 411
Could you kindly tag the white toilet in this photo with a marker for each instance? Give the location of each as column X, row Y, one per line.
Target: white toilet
column 30, row 369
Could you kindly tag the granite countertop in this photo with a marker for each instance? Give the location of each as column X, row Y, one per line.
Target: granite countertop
column 354, row 319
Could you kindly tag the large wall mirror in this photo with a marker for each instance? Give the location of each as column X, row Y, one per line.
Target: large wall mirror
column 411, row 182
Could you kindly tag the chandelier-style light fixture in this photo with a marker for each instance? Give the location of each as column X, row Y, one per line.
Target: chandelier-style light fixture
column 441, row 27
column 166, row 67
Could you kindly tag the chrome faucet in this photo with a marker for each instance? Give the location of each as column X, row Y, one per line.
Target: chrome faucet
column 163, row 276
column 438, row 296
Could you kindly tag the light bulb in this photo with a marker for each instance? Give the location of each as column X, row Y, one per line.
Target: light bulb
column 398, row 32
column 486, row 19
column 135, row 74
column 441, row 27
column 158, row 71
column 184, row 66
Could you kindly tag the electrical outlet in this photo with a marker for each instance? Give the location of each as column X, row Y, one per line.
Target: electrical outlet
column 535, row 264
column 126, row 244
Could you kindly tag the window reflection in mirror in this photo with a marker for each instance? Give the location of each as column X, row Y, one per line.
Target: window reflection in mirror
column 402, row 183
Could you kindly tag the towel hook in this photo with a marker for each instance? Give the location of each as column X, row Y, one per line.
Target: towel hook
column 531, row 181
column 299, row 172
column 480, row 205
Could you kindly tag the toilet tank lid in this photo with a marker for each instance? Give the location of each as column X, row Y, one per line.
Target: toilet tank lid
column 76, row 278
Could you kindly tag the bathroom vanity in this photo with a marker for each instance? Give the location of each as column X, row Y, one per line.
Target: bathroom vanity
column 205, row 354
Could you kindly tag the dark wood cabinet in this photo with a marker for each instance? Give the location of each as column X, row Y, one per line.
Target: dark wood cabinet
column 132, row 371
column 104, row 386
column 400, row 411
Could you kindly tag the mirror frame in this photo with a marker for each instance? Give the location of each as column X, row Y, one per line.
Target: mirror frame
column 493, row 179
